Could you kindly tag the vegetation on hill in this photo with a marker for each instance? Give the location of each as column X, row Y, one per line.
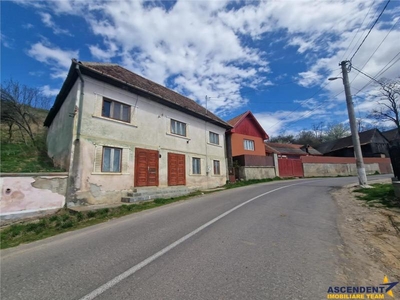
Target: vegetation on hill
column 22, row 134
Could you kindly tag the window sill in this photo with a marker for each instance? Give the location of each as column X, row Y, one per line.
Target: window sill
column 178, row 136
column 114, row 121
column 109, row 173
column 216, row 145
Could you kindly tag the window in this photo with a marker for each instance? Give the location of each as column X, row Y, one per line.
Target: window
column 216, row 167
column 249, row 145
column 111, row 160
column 178, row 127
column 214, row 138
column 196, row 165
column 116, row 110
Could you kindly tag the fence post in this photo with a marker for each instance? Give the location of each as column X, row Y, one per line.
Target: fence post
column 276, row 164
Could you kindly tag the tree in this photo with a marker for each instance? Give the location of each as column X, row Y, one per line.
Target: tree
column 388, row 107
column 336, row 131
column 17, row 107
column 307, row 137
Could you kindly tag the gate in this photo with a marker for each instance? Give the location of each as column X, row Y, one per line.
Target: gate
column 290, row 167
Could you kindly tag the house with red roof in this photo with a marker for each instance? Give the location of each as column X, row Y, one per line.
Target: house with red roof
column 124, row 137
column 246, row 149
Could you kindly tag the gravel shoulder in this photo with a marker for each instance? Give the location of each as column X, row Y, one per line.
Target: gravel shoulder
column 371, row 241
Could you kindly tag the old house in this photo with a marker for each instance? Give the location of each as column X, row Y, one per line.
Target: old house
column 121, row 134
column 245, row 149
column 373, row 144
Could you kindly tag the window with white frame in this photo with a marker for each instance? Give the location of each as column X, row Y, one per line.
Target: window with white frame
column 196, row 167
column 178, row 128
column 248, row 145
column 111, row 161
column 116, row 110
column 217, row 170
column 214, row 138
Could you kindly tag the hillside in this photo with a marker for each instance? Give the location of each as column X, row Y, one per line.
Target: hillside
column 19, row 154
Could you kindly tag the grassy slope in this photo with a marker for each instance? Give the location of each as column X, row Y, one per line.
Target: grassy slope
column 18, row 156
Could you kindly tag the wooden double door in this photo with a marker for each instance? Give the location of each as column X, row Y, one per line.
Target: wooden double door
column 146, row 167
column 176, row 169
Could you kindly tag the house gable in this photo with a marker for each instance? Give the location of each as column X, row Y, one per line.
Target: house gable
column 247, row 124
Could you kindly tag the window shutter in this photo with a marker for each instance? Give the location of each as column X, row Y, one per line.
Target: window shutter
column 98, row 159
column 125, row 160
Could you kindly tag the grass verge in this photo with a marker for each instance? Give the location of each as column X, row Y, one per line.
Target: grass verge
column 66, row 220
column 381, row 193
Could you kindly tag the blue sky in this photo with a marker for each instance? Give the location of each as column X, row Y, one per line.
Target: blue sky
column 270, row 57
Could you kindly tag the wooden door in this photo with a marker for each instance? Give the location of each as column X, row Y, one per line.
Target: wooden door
column 146, row 167
column 176, row 169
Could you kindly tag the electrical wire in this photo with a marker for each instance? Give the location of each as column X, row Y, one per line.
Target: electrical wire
column 299, row 106
column 344, row 55
column 382, row 71
column 398, row 20
column 373, row 25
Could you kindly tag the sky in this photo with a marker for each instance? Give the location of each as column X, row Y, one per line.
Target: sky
column 270, row 57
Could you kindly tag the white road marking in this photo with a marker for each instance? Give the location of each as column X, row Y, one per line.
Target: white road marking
column 150, row 259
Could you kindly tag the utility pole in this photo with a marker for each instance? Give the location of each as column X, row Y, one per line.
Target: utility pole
column 362, row 177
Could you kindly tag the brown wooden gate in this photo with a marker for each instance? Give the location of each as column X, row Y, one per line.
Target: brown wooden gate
column 290, row 167
column 176, row 169
column 146, row 167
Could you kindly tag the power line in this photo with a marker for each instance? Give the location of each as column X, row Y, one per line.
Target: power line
column 344, row 55
column 382, row 71
column 376, row 49
column 365, row 74
column 299, row 106
column 376, row 21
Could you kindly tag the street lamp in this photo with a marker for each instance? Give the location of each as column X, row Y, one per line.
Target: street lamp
column 362, row 176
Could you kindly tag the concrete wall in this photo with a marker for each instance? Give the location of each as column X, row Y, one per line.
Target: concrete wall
column 248, row 173
column 149, row 129
column 59, row 135
column 344, row 166
column 24, row 195
column 319, row 169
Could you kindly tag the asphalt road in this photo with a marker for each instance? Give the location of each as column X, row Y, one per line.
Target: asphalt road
column 267, row 241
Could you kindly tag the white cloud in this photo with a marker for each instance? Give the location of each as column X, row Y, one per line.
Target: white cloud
column 57, row 59
column 204, row 48
column 48, row 22
column 28, row 26
column 6, row 41
column 49, row 92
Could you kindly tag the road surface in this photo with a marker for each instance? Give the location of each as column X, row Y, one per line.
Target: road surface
column 268, row 241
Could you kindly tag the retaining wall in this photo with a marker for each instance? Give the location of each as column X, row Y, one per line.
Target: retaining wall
column 31, row 194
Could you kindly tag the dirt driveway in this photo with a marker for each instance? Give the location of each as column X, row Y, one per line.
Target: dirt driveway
column 371, row 237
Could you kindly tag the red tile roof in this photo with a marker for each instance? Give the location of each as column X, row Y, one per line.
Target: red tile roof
column 289, row 149
column 120, row 77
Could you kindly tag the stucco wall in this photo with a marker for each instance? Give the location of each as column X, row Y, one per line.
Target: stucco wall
column 248, row 173
column 238, row 146
column 326, row 169
column 59, row 135
column 149, row 129
column 30, row 195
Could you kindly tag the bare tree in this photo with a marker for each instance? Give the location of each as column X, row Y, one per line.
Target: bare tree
column 336, row 131
column 389, row 105
column 17, row 103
